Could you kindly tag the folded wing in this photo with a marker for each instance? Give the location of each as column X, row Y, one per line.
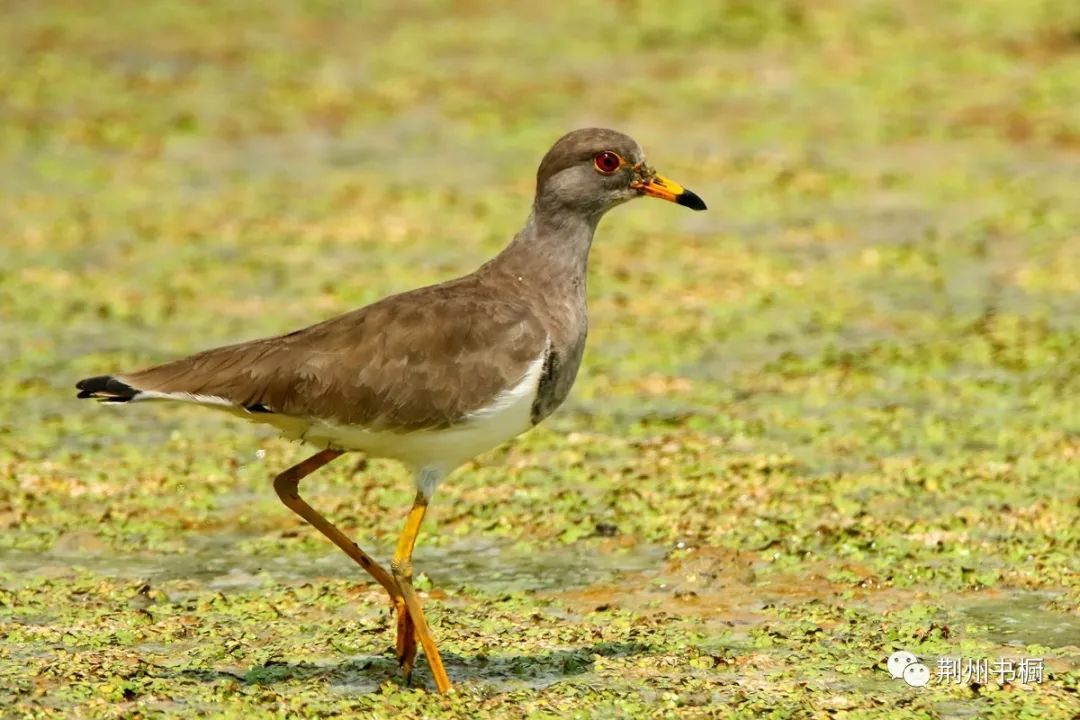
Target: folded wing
column 420, row 360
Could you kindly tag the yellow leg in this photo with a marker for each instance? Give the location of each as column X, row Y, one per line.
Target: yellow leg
column 406, row 641
column 401, row 566
column 287, row 486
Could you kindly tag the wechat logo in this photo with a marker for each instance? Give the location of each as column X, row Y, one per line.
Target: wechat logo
column 903, row 665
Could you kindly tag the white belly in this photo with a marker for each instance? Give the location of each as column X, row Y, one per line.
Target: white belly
column 442, row 450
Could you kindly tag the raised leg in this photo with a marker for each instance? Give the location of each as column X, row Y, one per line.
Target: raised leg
column 401, row 566
column 287, row 486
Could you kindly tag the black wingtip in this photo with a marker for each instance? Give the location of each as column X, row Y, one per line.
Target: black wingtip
column 105, row 388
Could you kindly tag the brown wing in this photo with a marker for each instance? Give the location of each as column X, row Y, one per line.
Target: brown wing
column 422, row 359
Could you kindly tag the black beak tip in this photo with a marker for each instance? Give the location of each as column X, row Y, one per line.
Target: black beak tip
column 689, row 199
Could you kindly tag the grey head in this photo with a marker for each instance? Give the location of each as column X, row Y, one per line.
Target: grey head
column 589, row 171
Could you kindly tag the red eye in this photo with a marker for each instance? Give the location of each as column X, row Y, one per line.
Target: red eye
column 607, row 162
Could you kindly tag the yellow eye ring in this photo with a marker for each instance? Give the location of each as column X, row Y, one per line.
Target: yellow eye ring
column 607, row 162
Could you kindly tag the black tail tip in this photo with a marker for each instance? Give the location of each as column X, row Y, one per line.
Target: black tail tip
column 105, row 388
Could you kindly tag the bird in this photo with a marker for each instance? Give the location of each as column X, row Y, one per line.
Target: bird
column 430, row 377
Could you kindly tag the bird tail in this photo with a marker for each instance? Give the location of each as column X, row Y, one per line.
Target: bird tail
column 106, row 388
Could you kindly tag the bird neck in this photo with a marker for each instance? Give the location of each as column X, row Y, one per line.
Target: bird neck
column 552, row 250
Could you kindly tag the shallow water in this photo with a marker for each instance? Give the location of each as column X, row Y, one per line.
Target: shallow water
column 733, row 588
column 1021, row 618
column 215, row 561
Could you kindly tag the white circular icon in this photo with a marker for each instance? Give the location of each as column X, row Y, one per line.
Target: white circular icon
column 916, row 674
column 898, row 662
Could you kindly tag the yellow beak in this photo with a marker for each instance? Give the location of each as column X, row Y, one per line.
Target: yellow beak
column 660, row 187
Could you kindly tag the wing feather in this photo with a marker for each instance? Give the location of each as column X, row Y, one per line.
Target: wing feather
column 419, row 360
